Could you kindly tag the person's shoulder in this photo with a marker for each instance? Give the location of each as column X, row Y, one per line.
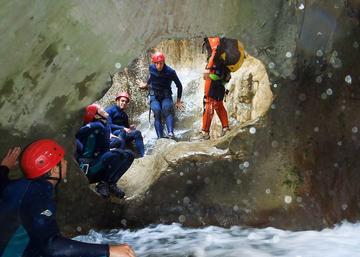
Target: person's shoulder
column 111, row 108
column 169, row 69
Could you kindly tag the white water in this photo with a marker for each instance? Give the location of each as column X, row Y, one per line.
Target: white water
column 192, row 98
column 176, row 241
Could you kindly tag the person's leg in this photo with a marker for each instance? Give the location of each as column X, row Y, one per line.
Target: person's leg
column 168, row 112
column 222, row 113
column 207, row 115
column 156, row 109
column 117, row 142
column 135, row 135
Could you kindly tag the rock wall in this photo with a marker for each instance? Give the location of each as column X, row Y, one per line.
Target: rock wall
column 303, row 157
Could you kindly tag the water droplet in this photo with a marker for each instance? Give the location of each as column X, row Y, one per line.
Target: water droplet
column 302, row 97
column 274, row 144
column 117, row 65
column 329, row 75
column 273, row 106
column 356, row 44
column 301, row 6
column 319, row 33
column 319, row 53
column 299, row 199
column 267, row 191
column 329, row 91
column 319, row 79
column 275, row 85
column 241, row 166
column 182, row 218
column 238, row 181
column 181, row 174
column 252, row 130
column 336, row 165
column 288, row 55
column 316, row 129
column 348, row 79
column 275, row 239
column 271, row 65
column 186, row 200
column 236, row 208
column 344, row 206
column 324, row 96
column 355, row 130
column 339, row 143
column 246, row 164
column 68, row 48
column 78, row 229
column 287, row 199
column 124, row 222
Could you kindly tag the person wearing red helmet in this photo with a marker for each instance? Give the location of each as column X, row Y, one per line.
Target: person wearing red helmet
column 120, row 127
column 28, row 211
column 161, row 102
column 101, row 164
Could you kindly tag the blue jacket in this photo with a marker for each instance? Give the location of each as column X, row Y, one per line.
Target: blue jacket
column 95, row 139
column 160, row 82
column 118, row 119
column 28, row 224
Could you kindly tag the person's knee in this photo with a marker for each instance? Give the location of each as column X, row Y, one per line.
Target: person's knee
column 130, row 156
column 137, row 134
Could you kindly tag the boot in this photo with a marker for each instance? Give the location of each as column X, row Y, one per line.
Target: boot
column 201, row 137
column 224, row 131
column 102, row 188
column 114, row 189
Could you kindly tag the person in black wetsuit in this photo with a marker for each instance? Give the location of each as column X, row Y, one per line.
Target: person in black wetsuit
column 7, row 164
column 27, row 209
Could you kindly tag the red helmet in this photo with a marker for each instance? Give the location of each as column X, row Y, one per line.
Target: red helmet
column 40, row 157
column 158, row 57
column 90, row 112
column 122, row 94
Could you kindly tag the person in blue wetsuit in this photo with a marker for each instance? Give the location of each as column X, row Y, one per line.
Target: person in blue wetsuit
column 120, row 127
column 159, row 85
column 28, row 211
column 101, row 164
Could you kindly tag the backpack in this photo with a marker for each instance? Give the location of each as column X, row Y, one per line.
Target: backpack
column 229, row 52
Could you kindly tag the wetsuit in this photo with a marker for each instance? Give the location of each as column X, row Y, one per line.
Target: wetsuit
column 96, row 159
column 4, row 172
column 28, row 224
column 118, row 120
column 161, row 102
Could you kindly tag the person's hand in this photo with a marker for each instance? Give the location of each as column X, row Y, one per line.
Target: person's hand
column 179, row 105
column 123, row 250
column 206, row 74
column 11, row 157
column 132, row 127
column 127, row 130
column 143, row 86
column 112, row 135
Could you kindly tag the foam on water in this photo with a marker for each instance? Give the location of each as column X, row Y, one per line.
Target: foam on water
column 177, row 241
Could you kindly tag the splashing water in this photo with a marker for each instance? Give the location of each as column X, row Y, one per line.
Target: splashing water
column 184, row 121
column 176, row 241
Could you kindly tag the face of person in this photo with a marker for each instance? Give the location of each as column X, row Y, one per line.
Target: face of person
column 122, row 102
column 159, row 65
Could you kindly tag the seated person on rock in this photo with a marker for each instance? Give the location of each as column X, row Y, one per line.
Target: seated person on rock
column 99, row 163
column 120, row 127
column 28, row 210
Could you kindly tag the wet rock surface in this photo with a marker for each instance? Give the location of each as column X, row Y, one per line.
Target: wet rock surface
column 302, row 161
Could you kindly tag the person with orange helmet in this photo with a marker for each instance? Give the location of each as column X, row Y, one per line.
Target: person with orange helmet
column 28, row 211
column 120, row 126
column 161, row 102
column 101, row 164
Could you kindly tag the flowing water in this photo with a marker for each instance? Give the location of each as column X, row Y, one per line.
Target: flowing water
column 176, row 241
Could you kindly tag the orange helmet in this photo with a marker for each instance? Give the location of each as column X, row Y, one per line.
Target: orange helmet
column 158, row 57
column 90, row 112
column 123, row 94
column 40, row 157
